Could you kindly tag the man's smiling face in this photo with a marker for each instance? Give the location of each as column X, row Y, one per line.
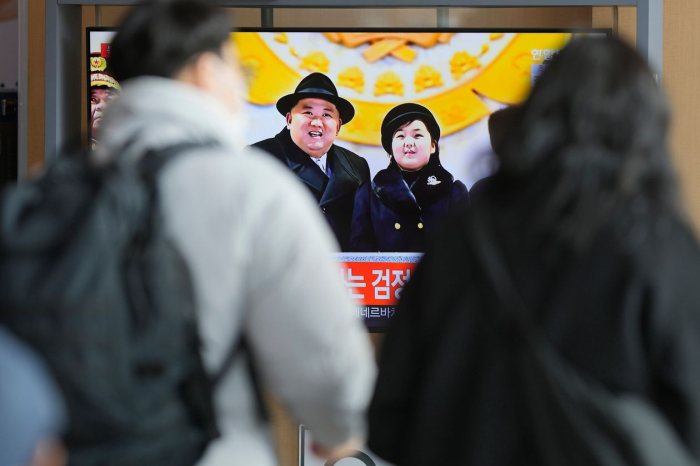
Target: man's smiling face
column 314, row 125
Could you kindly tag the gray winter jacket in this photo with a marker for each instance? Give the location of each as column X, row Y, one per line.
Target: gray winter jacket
column 260, row 256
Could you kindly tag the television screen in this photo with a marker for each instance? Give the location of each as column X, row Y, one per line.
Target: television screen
column 459, row 76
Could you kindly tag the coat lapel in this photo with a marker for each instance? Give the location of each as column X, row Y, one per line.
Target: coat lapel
column 343, row 180
column 301, row 164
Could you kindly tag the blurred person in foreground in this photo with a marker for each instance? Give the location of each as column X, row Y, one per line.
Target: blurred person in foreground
column 251, row 247
column 32, row 414
column 499, row 125
column 584, row 210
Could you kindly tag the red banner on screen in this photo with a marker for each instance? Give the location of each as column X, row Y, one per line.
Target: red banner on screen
column 374, row 282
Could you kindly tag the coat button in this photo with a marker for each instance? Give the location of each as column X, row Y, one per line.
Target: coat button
column 420, row 225
column 397, row 226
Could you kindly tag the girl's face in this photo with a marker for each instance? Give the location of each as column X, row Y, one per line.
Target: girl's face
column 412, row 146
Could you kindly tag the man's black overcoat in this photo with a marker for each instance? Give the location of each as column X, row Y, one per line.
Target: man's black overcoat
column 335, row 195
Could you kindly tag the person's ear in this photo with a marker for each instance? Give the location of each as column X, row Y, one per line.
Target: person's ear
column 201, row 72
column 289, row 120
column 340, row 123
column 432, row 147
column 205, row 70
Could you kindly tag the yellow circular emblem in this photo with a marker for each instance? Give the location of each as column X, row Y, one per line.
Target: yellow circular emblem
column 450, row 73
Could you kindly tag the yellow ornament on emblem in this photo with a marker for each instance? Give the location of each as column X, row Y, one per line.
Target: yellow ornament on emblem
column 353, row 78
column 315, row 61
column 388, row 83
column 461, row 63
column 426, row 77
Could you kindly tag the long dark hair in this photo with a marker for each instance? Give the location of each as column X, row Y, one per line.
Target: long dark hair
column 591, row 143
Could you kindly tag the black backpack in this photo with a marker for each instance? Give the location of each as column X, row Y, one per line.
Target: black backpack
column 90, row 280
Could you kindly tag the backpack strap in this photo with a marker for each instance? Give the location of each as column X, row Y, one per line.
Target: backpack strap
column 242, row 347
column 150, row 166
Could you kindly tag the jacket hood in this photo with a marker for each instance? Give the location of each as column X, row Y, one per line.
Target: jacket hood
column 153, row 113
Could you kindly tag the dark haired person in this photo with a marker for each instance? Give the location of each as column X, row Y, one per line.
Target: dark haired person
column 249, row 246
column 314, row 114
column 499, row 123
column 406, row 201
column 584, row 212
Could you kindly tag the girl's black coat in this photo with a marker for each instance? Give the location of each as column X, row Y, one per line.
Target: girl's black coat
column 391, row 217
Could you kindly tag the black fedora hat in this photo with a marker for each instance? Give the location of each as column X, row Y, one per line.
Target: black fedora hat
column 402, row 114
column 317, row 85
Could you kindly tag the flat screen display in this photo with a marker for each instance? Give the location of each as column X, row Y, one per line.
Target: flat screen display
column 460, row 76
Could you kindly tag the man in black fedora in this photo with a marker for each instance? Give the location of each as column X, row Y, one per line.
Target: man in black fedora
column 315, row 114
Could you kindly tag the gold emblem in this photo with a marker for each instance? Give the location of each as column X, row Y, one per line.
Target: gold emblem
column 383, row 44
column 315, row 61
column 377, row 71
column 353, row 78
column 426, row 77
column 97, row 64
column 388, row 83
column 461, row 63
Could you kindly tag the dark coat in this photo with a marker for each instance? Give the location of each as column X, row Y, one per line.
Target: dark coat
column 626, row 313
column 335, row 195
column 391, row 217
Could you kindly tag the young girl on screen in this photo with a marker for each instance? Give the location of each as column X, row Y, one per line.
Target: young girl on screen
column 405, row 201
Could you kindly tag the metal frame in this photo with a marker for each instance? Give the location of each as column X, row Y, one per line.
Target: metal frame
column 22, row 94
column 63, row 36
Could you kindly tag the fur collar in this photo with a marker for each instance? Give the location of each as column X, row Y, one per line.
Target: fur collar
column 431, row 185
